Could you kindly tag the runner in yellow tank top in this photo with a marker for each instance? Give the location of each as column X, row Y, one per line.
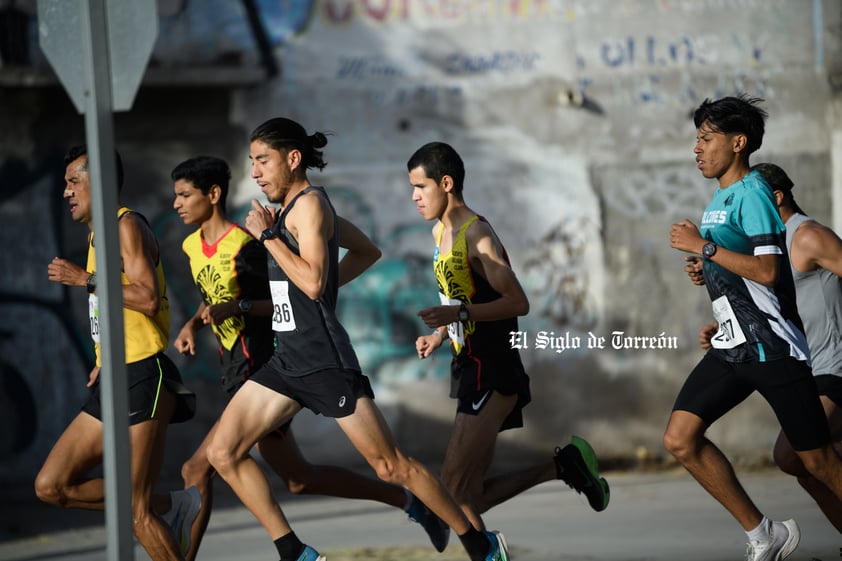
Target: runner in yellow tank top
column 145, row 335
column 481, row 299
column 156, row 395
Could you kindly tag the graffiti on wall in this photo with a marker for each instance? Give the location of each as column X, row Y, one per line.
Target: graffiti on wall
column 557, row 277
column 45, row 354
column 665, row 193
column 637, row 66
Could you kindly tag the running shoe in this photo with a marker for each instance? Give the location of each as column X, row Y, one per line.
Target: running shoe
column 499, row 548
column 785, row 538
column 576, row 465
column 310, row 554
column 438, row 531
column 185, row 507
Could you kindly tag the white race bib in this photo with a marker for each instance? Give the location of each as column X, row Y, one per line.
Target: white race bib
column 93, row 315
column 455, row 330
column 730, row 334
column 282, row 318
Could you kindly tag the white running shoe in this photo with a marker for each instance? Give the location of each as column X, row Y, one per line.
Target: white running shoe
column 185, row 507
column 785, row 538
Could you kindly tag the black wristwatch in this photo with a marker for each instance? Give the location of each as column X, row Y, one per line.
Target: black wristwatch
column 90, row 283
column 267, row 234
column 462, row 315
column 708, row 250
column 244, row 305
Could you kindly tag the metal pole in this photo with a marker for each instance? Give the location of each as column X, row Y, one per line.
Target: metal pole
column 99, row 130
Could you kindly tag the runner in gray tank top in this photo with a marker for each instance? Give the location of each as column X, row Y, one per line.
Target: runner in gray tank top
column 815, row 258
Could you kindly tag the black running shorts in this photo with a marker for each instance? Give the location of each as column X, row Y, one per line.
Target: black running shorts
column 332, row 392
column 473, row 403
column 237, row 368
column 715, row 387
column 830, row 385
column 244, row 359
column 472, row 377
column 146, row 379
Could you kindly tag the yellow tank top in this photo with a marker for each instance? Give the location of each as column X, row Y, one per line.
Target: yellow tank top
column 145, row 336
column 455, row 282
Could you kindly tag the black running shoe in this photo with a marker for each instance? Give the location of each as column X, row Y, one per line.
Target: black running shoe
column 576, row 465
column 438, row 531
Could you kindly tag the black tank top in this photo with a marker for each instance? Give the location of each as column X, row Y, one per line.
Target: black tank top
column 308, row 335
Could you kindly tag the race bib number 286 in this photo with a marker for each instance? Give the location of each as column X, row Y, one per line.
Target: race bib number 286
column 282, row 318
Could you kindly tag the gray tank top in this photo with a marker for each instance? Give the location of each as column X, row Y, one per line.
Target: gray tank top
column 819, row 297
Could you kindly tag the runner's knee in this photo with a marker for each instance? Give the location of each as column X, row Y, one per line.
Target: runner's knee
column 196, row 471
column 220, row 457
column 397, row 470
column 298, row 486
column 787, row 460
column 460, row 485
column 49, row 490
column 678, row 443
column 300, row 481
column 819, row 463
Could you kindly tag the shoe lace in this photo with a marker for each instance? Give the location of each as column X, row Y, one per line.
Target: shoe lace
column 750, row 551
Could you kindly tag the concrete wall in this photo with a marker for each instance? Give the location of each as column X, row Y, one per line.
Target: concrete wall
column 573, row 121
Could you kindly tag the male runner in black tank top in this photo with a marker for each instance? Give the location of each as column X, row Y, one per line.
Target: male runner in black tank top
column 229, row 267
column 303, row 274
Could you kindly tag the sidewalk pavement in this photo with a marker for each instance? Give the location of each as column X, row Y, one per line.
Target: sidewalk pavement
column 652, row 517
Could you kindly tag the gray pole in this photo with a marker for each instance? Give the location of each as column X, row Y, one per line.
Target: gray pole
column 99, row 129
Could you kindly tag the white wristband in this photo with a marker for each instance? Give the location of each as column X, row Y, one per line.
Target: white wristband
column 437, row 332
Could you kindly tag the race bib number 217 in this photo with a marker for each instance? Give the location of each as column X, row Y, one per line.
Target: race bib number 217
column 730, row 334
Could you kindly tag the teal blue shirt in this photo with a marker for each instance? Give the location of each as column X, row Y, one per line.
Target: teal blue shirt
column 743, row 217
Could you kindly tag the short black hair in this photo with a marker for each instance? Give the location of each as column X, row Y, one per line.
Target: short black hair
column 204, row 172
column 735, row 115
column 439, row 159
column 775, row 176
column 778, row 180
column 79, row 150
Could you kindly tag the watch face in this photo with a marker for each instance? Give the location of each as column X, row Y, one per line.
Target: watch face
column 463, row 315
column 708, row 250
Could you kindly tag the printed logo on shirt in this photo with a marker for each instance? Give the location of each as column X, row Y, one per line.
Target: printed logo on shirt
column 715, row 217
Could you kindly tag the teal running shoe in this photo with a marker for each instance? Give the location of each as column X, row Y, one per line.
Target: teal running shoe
column 310, row 554
column 499, row 548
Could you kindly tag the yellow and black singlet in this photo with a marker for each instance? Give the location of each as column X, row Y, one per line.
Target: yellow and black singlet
column 458, row 283
column 232, row 268
column 145, row 336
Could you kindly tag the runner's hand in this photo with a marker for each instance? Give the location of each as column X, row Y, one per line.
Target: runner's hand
column 93, row 377
column 426, row 344
column 706, row 333
column 694, row 270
